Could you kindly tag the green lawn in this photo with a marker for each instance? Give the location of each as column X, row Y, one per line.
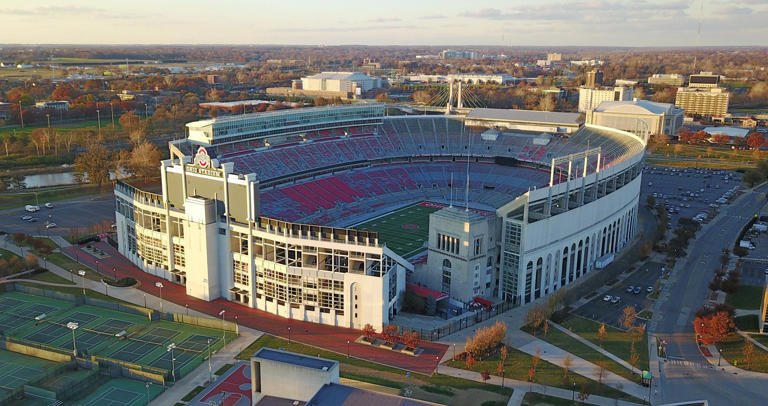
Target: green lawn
column 404, row 230
column 616, row 342
column 191, row 395
column 747, row 297
column 76, row 288
column 7, row 255
column 518, row 363
column 733, row 351
column 581, row 350
column 11, row 200
column 748, row 323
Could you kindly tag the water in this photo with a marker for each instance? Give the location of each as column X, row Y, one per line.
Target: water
column 53, row 179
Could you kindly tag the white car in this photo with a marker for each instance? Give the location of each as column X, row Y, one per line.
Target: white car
column 615, row 299
column 49, row 205
column 607, row 298
column 50, row 225
column 26, row 218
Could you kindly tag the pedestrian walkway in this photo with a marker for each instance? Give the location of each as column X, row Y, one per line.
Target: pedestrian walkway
column 522, row 387
column 592, row 345
column 755, row 342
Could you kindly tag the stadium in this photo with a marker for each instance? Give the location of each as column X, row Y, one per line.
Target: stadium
column 325, row 214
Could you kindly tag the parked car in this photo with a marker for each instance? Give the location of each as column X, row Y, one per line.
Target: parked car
column 630, row 289
column 607, row 298
column 26, row 218
column 649, row 289
column 50, row 225
column 637, row 290
column 615, row 299
column 49, row 205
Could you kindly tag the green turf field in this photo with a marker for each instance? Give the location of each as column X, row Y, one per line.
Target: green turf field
column 405, row 231
column 122, row 392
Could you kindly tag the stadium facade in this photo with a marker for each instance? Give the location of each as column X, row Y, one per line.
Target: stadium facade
column 258, row 209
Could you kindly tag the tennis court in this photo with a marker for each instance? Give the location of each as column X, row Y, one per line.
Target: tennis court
column 122, row 392
column 53, row 331
column 143, row 345
column 17, row 369
column 185, row 352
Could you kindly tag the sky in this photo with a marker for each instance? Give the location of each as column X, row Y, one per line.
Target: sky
column 633, row 23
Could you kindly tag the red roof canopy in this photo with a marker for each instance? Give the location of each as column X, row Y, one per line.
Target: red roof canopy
column 424, row 292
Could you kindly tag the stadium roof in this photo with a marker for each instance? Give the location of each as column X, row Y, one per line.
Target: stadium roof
column 634, row 107
column 339, row 76
column 527, row 116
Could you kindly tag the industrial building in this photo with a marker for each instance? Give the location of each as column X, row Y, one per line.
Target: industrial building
column 590, row 98
column 525, row 120
column 640, row 117
column 453, row 54
column 666, row 79
column 348, row 82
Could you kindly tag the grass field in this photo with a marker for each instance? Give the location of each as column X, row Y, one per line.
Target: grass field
column 616, row 342
column 11, row 200
column 747, row 297
column 405, row 231
column 733, row 351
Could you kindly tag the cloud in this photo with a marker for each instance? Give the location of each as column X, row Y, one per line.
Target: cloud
column 56, row 11
column 433, row 17
column 584, row 11
column 734, row 11
column 384, row 20
column 489, row 14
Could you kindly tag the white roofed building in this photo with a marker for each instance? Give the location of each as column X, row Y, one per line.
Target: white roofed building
column 340, row 82
column 641, row 117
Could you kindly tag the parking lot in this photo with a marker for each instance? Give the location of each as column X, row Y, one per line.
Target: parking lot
column 687, row 192
column 608, row 312
column 753, row 272
column 67, row 214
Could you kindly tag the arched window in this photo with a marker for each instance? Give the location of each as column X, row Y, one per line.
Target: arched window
column 446, row 264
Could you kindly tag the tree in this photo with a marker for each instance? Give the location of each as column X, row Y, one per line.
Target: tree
column 749, row 351
column 413, row 302
column 567, row 363
column 651, row 200
column 634, row 357
column 422, row 96
column 531, row 374
column 390, row 333
column 601, row 334
column 129, row 121
column 469, row 361
column 584, row 393
column 500, row 368
column 721, row 139
column 96, row 163
column 503, row 353
column 536, row 359
column 368, row 331
column 628, row 317
column 430, row 305
column 142, row 161
column 755, row 140
column 30, row 261
column 713, row 328
column 411, row 339
column 547, row 103
column 485, row 375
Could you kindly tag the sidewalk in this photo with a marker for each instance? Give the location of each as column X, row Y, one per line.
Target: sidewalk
column 522, row 387
column 199, row 376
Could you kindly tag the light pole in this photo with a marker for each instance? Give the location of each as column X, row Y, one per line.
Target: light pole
column 289, row 334
column 21, row 114
column 502, row 376
column 347, row 348
column 187, row 306
column 145, row 300
column 73, row 326
column 114, row 273
column 106, row 287
column 210, row 368
column 454, row 351
column 112, row 112
column 45, row 263
column 146, row 385
column 98, row 118
column 82, row 274
column 72, row 275
column 171, row 347
column 573, row 391
column 97, row 266
column 719, row 350
column 48, row 116
column 160, row 285
column 223, row 334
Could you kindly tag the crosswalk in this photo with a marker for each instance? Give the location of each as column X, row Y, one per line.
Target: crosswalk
column 690, row 364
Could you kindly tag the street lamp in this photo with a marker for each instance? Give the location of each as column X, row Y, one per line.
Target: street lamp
column 98, row 117
column 573, row 391
column 502, row 376
column 82, row 274
column 223, row 334
column 289, row 334
column 210, row 370
column 187, row 306
column 171, row 347
column 347, row 348
column 719, row 350
column 160, row 285
column 73, row 326
column 106, row 287
column 146, row 385
column 45, row 263
column 114, row 273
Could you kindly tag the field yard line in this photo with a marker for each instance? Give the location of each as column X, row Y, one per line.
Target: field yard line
column 389, row 213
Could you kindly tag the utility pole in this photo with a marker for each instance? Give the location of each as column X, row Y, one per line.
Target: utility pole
column 21, row 114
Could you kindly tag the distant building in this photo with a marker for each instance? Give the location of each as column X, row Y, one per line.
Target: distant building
column 498, row 78
column 555, row 57
column 453, row 54
column 589, row 98
column 594, row 79
column 706, row 102
column 626, row 82
column 704, row 80
column 282, row 378
column 666, row 79
column 641, row 117
column 58, row 105
column 525, row 120
column 733, row 132
column 213, row 79
column 349, row 82
column 588, row 62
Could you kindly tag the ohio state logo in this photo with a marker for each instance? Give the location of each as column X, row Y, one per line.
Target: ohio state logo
column 202, row 159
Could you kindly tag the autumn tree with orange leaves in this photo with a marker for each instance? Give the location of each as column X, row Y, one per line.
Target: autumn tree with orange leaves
column 713, row 328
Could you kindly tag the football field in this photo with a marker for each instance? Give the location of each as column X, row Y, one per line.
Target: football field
column 406, row 230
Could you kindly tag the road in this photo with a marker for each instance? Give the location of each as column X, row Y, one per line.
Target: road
column 677, row 307
column 67, row 214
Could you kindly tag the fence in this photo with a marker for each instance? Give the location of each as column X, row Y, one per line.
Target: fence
column 470, row 320
column 22, row 346
column 132, row 370
column 205, row 322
